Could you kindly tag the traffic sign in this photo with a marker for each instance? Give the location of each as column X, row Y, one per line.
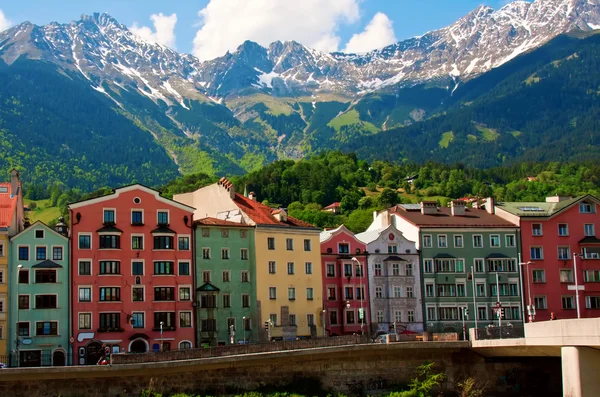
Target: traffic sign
column 361, row 313
column 579, row 287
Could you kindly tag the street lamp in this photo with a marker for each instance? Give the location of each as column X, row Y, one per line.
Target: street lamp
column 324, row 319
column 475, row 311
column 576, row 283
column 19, row 267
column 244, row 327
column 361, row 313
column 161, row 336
column 530, row 308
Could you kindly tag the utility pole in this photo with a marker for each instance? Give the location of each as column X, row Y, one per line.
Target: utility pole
column 475, row 311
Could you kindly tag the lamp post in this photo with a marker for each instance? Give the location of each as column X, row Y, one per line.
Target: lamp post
column 324, row 322
column 161, row 336
column 523, row 269
column 244, row 327
column 361, row 313
column 499, row 304
column 19, row 267
column 475, row 311
column 576, row 284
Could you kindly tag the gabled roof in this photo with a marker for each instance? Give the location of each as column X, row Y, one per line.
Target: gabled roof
column 8, row 204
column 210, row 221
column 47, row 264
column 207, row 287
column 263, row 215
column 371, row 235
column 31, row 227
column 327, row 234
column 332, row 206
column 109, row 228
column 394, row 258
column 542, row 209
column 443, row 218
column 163, row 230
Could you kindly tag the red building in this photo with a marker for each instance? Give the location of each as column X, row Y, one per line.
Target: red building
column 345, row 283
column 132, row 277
column 559, row 251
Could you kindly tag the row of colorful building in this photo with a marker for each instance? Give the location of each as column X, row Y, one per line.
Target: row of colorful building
column 137, row 272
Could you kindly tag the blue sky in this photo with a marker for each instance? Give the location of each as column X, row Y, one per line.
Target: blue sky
column 333, row 26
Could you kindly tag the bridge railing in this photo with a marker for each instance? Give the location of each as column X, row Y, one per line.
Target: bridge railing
column 504, row 332
column 234, row 350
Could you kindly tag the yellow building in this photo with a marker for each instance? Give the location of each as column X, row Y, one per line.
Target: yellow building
column 287, row 276
column 11, row 223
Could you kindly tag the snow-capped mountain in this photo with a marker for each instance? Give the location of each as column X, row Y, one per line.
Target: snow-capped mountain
column 104, row 51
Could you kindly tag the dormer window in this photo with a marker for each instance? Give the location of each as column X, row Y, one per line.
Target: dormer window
column 109, row 217
column 163, row 218
column 39, row 234
column 343, row 248
column 587, row 208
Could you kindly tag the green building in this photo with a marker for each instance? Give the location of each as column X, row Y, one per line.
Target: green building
column 463, row 252
column 39, row 297
column 224, row 264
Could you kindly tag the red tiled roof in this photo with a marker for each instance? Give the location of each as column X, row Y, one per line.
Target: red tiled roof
column 7, row 206
column 263, row 215
column 209, row 221
column 444, row 218
column 332, row 206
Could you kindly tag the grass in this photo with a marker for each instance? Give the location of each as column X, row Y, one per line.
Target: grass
column 276, row 105
column 532, row 79
column 471, row 138
column 488, row 134
column 43, row 212
column 351, row 117
column 447, row 138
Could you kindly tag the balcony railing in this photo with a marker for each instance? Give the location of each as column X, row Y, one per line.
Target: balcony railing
column 504, row 332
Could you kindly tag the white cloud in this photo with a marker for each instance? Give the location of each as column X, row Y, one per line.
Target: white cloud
column 378, row 33
column 225, row 24
column 5, row 23
column 164, row 25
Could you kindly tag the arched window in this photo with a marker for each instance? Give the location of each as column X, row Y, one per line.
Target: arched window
column 185, row 345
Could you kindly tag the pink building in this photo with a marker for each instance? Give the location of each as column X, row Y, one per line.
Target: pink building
column 132, row 278
column 345, row 283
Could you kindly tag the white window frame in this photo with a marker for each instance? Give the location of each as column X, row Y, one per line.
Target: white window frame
column 445, row 236
column 78, row 236
column 541, row 229
column 179, row 287
column 189, row 242
column 137, row 210
column 462, row 241
column 91, row 321
column 492, row 239
column 480, row 238
column 514, row 239
column 143, row 287
column 114, row 210
column 567, row 227
column 91, row 288
column 168, row 215
column 430, row 245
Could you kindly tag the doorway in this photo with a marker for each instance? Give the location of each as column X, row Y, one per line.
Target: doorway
column 138, row 346
column 59, row 358
column 93, row 353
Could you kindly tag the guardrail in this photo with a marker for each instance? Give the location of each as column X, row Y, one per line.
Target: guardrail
column 504, row 332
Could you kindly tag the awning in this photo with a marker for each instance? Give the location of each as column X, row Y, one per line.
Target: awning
column 163, row 230
column 444, row 256
column 109, row 229
column 497, row 255
column 137, row 336
column 207, row 287
column 395, row 258
column 47, row 264
column 589, row 240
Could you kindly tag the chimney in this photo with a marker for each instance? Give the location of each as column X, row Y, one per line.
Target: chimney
column 225, row 184
column 14, row 182
column 385, row 218
column 280, row 215
column 489, row 205
column 457, row 207
column 428, row 207
column 556, row 199
column 252, row 196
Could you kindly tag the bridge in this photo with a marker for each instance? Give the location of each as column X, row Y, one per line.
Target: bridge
column 575, row 341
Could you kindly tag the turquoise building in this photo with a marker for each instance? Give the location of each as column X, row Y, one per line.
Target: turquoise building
column 39, row 329
column 225, row 283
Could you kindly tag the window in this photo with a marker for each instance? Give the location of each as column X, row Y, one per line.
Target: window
column 427, row 241
column 292, row 320
column 458, row 241
column 245, row 276
column 110, row 267
column 208, row 301
column 271, row 243
column 310, row 320
column 392, row 249
column 109, row 216
column 397, row 292
column 57, row 253
column 85, row 294
column 184, row 268
column 479, row 266
column 481, row 313
column 163, row 242
column 209, row 325
column 568, row 302
column 40, row 253
column 245, row 300
column 110, row 242
column 137, row 218
column 85, row 268
column 137, row 320
column 477, row 241
column 307, row 246
column 378, row 269
column 226, row 300
column 563, row 253
column 431, row 313
column 348, row 293
column 205, row 232
column 591, row 276
column 272, row 267
column 380, row 317
column 428, row 265
column 411, row 316
column 137, row 268
column 167, row 318
column 23, row 302
column 510, row 240
column 137, row 242
column 566, row 275
column 45, row 276
column 445, row 290
column 163, row 217
column 164, row 293
column 442, row 241
column 343, row 248
column 409, row 292
column 536, row 229
column 429, row 291
column 398, row 316
column 184, row 243
column 378, row 292
column 310, row 294
column 289, row 244
column 349, row 316
column 110, row 321
column 46, row 328
column 331, row 293
column 592, row 302
column 185, row 293
column 395, row 269
column 480, row 289
column 85, row 241
column 539, row 276
column 244, row 254
column 110, row 294
column 292, row 293
column 563, row 229
column 308, row 267
column 290, row 267
column 39, row 234
column 333, row 317
column 409, row 269
column 347, row 270
column 23, row 329
column 205, row 253
column 23, row 276
column 23, row 253
column 494, row 241
column 225, row 233
column 330, row 270
column 588, row 229
column 226, row 276
column 540, row 302
column 272, row 293
column 537, row 253
column 460, row 290
column 45, row 302
column 164, row 267
column 185, row 319
column 224, row 253
column 137, row 294
column 587, row 208
column 85, row 320
column 243, row 233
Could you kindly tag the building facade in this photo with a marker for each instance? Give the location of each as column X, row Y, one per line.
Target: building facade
column 288, row 260
column 560, row 250
column 132, row 273
column 469, row 260
column 394, row 280
column 11, row 223
column 226, row 283
column 39, row 297
column 346, row 297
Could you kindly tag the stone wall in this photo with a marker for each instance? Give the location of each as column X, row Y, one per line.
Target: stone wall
column 348, row 369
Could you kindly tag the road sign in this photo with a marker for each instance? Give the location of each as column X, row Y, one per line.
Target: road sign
column 572, row 287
